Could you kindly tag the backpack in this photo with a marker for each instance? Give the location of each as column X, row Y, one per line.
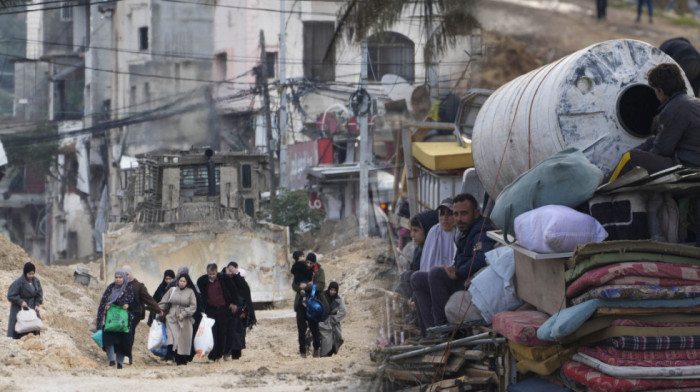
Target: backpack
column 315, row 308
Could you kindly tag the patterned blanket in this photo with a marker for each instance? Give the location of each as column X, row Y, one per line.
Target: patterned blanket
column 638, row 292
column 521, row 326
column 602, row 382
column 650, row 343
column 664, row 358
column 659, row 274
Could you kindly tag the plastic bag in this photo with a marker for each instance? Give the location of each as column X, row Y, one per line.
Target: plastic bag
column 315, row 308
column 204, row 339
column 163, row 349
column 117, row 319
column 554, row 229
column 28, row 321
column 155, row 335
column 97, row 337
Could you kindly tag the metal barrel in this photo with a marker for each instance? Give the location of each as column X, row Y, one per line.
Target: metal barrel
column 596, row 99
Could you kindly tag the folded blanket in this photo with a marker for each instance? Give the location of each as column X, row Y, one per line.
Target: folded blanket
column 665, row 358
column 521, row 326
column 638, row 292
column 604, row 383
column 650, row 343
column 568, row 320
column 658, row 274
column 646, row 323
column 602, row 259
column 640, row 372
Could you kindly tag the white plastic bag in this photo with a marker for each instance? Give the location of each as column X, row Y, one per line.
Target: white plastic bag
column 204, row 339
column 155, row 335
column 555, row 229
column 28, row 321
column 492, row 289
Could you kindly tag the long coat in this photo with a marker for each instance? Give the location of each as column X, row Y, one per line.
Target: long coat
column 25, row 290
column 331, row 333
column 179, row 333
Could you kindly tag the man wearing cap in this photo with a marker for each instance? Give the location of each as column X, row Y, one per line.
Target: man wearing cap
column 304, row 289
column 432, row 289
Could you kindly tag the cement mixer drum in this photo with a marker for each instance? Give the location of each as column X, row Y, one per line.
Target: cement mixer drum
column 596, row 100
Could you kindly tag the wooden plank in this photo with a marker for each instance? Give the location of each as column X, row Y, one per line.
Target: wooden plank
column 407, row 375
column 489, row 375
column 455, row 363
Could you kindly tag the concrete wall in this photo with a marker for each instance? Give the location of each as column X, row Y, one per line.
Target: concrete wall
column 31, row 91
column 99, row 61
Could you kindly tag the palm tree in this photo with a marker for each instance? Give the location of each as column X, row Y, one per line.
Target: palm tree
column 442, row 21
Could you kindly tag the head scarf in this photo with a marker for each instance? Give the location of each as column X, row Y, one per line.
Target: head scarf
column 332, row 285
column 439, row 248
column 189, row 282
column 183, row 270
column 128, row 270
column 29, row 267
column 118, row 290
column 169, row 273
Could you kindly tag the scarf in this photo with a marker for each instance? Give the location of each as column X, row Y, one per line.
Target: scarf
column 118, row 290
column 439, row 248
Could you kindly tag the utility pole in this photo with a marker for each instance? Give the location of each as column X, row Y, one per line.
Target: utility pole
column 365, row 153
column 284, row 173
column 262, row 80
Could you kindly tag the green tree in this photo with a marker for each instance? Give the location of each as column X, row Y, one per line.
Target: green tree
column 442, row 21
column 292, row 209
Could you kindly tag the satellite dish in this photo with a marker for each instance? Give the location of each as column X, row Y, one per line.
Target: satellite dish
column 397, row 88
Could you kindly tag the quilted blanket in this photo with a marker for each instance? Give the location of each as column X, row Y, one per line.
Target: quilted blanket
column 603, row 383
column 659, row 274
column 521, row 326
column 658, row 372
column 665, row 358
column 650, row 343
column 623, row 292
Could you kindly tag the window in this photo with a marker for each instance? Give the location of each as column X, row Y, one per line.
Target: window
column 132, row 95
column 143, row 38
column 246, row 177
column 194, row 180
column 271, row 64
column 390, row 53
column 221, row 68
column 66, row 12
column 317, row 38
column 249, row 207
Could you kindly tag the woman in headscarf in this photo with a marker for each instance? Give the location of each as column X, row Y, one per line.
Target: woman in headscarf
column 180, row 305
column 25, row 292
column 439, row 247
column 118, row 293
column 331, row 334
column 168, row 276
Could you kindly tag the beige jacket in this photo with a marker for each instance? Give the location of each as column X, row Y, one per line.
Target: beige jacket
column 179, row 333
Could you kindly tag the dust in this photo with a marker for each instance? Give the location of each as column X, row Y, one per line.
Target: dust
column 507, row 59
column 64, row 357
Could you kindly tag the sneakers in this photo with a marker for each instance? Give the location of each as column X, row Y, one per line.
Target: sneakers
column 317, row 353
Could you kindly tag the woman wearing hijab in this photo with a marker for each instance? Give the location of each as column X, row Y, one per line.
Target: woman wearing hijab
column 25, row 292
column 180, row 305
column 168, row 276
column 118, row 293
column 439, row 247
column 331, row 334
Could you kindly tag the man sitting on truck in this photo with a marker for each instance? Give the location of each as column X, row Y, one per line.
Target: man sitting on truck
column 432, row 289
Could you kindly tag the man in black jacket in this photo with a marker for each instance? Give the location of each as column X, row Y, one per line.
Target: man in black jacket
column 220, row 298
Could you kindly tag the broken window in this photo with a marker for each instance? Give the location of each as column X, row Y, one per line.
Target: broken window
column 390, row 53
column 246, row 177
column 221, row 66
column 195, row 180
column 271, row 64
column 143, row 38
column 317, row 39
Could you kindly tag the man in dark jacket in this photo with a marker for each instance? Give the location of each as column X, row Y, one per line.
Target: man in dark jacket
column 677, row 139
column 432, row 289
column 220, row 299
column 303, row 290
column 144, row 300
column 243, row 318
